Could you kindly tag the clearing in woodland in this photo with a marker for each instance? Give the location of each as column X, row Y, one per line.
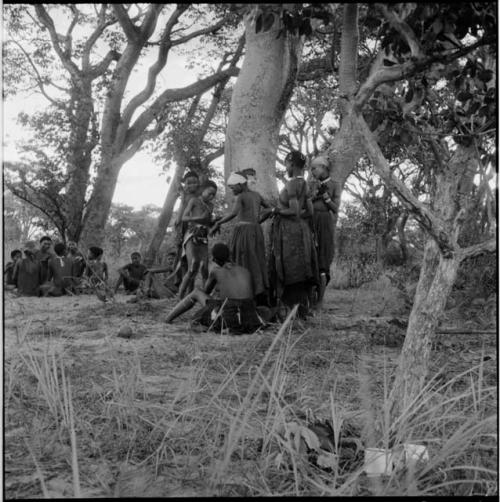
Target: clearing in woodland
column 170, row 411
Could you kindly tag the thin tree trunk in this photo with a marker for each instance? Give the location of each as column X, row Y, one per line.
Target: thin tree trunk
column 165, row 215
column 402, row 236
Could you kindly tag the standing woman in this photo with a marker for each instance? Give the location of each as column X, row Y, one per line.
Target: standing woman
column 293, row 262
column 325, row 195
column 247, row 241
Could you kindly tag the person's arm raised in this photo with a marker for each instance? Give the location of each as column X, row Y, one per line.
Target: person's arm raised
column 234, row 212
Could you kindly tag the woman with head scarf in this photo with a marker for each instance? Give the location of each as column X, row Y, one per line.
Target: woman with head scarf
column 293, row 262
column 247, row 241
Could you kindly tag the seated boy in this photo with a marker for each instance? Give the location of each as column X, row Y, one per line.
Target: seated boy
column 131, row 274
column 77, row 258
column 8, row 273
column 96, row 270
column 235, row 308
column 60, row 273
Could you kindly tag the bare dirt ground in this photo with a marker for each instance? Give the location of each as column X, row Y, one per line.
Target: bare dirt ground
column 139, row 402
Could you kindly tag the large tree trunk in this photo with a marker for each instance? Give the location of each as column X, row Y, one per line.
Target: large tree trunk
column 100, row 203
column 346, row 148
column 259, row 100
column 83, row 143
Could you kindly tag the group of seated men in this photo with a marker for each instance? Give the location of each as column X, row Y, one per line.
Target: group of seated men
column 56, row 269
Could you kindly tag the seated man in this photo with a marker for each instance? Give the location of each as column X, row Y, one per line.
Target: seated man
column 131, row 274
column 60, row 280
column 8, row 273
column 235, row 308
column 27, row 272
column 156, row 288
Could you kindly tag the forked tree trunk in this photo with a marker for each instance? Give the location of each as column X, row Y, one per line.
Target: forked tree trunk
column 259, row 100
column 437, row 277
column 346, row 148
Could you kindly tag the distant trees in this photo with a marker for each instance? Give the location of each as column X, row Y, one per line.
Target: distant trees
column 100, row 126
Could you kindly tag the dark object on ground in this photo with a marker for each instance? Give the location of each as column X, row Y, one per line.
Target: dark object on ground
column 125, row 332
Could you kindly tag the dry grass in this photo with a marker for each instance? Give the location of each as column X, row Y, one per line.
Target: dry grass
column 175, row 413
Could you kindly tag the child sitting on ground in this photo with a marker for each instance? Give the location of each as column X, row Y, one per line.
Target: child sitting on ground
column 132, row 274
column 96, row 271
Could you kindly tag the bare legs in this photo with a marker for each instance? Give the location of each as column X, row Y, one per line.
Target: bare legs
column 197, row 257
column 187, row 303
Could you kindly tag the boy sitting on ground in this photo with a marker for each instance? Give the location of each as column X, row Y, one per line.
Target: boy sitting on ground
column 235, row 308
column 132, row 274
column 96, row 271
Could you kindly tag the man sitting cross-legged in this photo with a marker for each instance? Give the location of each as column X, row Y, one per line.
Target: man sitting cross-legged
column 235, row 308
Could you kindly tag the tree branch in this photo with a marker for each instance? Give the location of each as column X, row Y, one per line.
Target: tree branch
column 380, row 74
column 213, row 155
column 403, row 29
column 172, row 95
column 47, row 21
column 219, row 89
column 489, row 246
column 155, row 69
column 68, row 38
column 99, row 68
column 203, row 31
column 131, row 31
column 434, row 226
column 38, row 77
column 94, row 36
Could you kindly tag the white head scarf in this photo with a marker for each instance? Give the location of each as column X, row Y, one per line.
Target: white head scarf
column 236, row 179
column 320, row 161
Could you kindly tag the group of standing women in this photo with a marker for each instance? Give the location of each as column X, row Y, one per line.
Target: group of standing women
column 301, row 234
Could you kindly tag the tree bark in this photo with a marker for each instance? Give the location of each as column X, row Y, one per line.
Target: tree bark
column 166, row 213
column 434, row 286
column 402, row 236
column 259, row 100
column 99, row 204
column 81, row 145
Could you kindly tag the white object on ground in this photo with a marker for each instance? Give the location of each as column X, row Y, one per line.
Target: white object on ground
column 415, row 453
column 377, row 462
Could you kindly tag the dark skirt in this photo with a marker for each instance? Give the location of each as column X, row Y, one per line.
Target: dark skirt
column 323, row 228
column 248, row 250
column 239, row 316
column 293, row 259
